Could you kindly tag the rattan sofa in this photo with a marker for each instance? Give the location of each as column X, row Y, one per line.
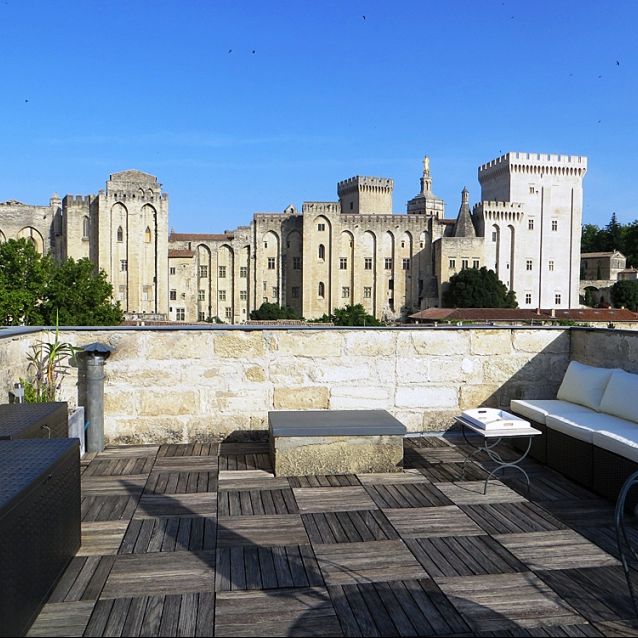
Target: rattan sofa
column 590, row 429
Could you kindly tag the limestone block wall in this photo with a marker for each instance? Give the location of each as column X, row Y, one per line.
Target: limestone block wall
column 606, row 348
column 191, row 384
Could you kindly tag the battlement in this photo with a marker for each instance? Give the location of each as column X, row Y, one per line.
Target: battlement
column 516, row 162
column 500, row 211
column 76, row 200
column 510, row 206
column 363, row 182
column 321, row 207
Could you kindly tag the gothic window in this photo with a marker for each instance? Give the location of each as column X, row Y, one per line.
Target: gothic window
column 85, row 228
column 322, row 251
column 120, row 234
column 321, row 291
column 147, row 235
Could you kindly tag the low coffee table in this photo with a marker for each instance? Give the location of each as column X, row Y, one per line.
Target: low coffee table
column 335, row 442
column 490, row 440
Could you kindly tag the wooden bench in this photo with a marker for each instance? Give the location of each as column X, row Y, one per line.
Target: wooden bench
column 335, row 442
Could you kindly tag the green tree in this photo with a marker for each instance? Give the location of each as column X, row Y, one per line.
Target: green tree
column 81, row 295
column 625, row 293
column 272, row 312
column 613, row 234
column 353, row 315
column 473, row 288
column 33, row 289
column 24, row 278
column 590, row 239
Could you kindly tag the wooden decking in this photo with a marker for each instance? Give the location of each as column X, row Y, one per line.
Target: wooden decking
column 202, row 540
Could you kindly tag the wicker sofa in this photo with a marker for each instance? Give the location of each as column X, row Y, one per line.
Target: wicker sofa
column 591, row 428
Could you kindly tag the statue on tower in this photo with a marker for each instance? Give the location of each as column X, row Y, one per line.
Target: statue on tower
column 426, row 165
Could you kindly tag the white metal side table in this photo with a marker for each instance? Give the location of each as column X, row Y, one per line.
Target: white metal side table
column 490, row 440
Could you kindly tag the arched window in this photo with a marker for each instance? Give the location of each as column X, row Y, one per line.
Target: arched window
column 322, row 290
column 322, row 251
column 147, row 235
column 120, row 234
column 85, row 228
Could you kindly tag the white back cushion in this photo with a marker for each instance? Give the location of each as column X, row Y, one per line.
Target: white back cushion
column 584, row 384
column 621, row 396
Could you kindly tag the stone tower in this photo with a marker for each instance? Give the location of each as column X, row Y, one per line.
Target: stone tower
column 366, row 195
column 531, row 214
column 426, row 202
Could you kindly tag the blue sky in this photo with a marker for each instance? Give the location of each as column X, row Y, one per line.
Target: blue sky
column 241, row 107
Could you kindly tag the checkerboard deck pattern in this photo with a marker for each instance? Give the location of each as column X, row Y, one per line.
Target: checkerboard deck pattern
column 202, row 540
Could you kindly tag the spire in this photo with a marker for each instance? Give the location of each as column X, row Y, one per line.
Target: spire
column 426, row 180
column 464, row 226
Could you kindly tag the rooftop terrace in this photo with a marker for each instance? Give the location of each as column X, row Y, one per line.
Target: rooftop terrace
column 201, row 539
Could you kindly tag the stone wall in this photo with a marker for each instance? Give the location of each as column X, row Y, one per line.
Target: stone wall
column 189, row 384
column 606, row 348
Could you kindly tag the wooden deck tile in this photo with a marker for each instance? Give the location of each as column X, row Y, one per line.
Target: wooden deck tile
column 323, row 480
column 463, row 556
column 160, row 574
column 548, row 485
column 561, row 549
column 260, row 461
column 398, row 608
column 256, row 502
column 407, row 495
column 424, row 522
column 169, row 535
column 107, row 508
column 102, row 538
column 348, row 527
column 251, row 567
column 391, row 478
column 131, row 485
column 124, row 451
column 83, row 579
column 186, row 464
column 598, row 593
column 551, row 631
column 156, row 505
column 618, row 628
column 261, row 530
column 117, row 466
column 450, row 472
column 251, row 480
column 289, row 612
column 181, row 482
column 332, row 499
column 373, row 561
column 507, row 601
column 589, row 513
column 444, row 454
column 244, row 447
column 512, row 518
column 62, row 619
column 471, row 492
column 172, row 615
column 188, row 449
column 605, row 538
column 418, row 442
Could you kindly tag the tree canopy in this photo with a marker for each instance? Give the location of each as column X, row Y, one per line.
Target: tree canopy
column 613, row 236
column 272, row 312
column 474, row 288
column 625, row 293
column 33, row 288
column 350, row 315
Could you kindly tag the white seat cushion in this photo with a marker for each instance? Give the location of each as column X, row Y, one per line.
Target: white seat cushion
column 621, row 396
column 620, row 436
column 583, row 426
column 584, row 384
column 538, row 409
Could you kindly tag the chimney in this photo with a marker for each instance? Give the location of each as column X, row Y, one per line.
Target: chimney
column 553, row 312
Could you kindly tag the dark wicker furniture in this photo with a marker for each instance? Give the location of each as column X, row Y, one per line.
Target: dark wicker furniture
column 571, row 457
column 39, row 524
column 538, row 450
column 34, row 420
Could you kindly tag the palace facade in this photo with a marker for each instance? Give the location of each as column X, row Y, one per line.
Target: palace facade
column 526, row 227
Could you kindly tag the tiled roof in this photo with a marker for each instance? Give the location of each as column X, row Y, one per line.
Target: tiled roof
column 180, row 252
column 200, row 237
column 525, row 314
column 602, row 254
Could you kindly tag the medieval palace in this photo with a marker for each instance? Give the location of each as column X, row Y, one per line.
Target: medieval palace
column 526, row 227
